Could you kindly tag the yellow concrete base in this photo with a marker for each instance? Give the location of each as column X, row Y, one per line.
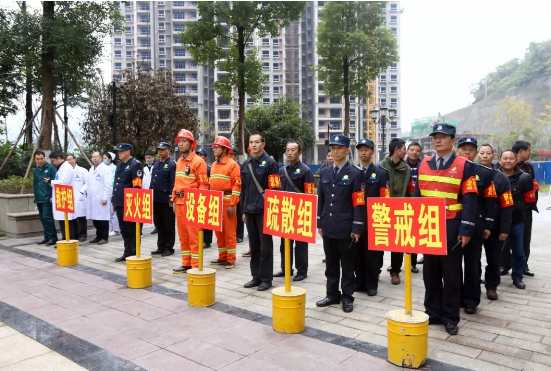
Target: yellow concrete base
column 138, row 272
column 200, row 287
column 67, row 253
column 289, row 310
column 408, row 338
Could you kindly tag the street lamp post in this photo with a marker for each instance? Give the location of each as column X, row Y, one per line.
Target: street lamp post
column 380, row 118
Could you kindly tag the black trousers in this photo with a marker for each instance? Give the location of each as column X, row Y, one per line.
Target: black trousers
column 301, row 255
column 102, row 229
column 527, row 234
column 442, row 278
column 128, row 232
column 207, row 236
column 339, row 253
column 493, row 246
column 396, row 259
column 164, row 219
column 472, row 253
column 240, row 225
column 262, row 249
column 368, row 266
column 82, row 226
column 73, row 229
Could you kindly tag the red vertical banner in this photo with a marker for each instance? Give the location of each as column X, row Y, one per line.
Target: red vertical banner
column 291, row 215
column 64, row 198
column 408, row 225
column 138, row 205
column 204, row 208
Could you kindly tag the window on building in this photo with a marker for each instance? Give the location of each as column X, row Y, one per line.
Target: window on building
column 161, row 13
column 194, row 100
column 128, row 5
column 194, row 75
column 118, row 53
column 276, row 100
column 382, row 78
column 336, row 125
column 129, row 54
column 335, row 113
column 265, row 90
column 352, row 135
column 275, row 42
column 161, row 26
column 393, row 102
column 194, row 88
column 179, row 15
column 321, row 3
column 145, row 55
column 382, row 102
column 193, row 15
column 160, row 3
column 393, row 78
column 393, row 135
column 395, row 113
column 394, row 66
column 144, row 6
column 276, row 53
column 178, row 3
column 265, row 101
column 162, row 51
column 179, row 64
column 321, row 111
column 393, row 6
column 321, row 99
column 352, row 112
column 179, row 27
column 180, row 90
column 276, row 78
column 394, row 125
column 265, row 54
column 144, row 19
column 118, row 42
column 250, row 42
column 352, row 124
column 265, row 42
column 118, row 66
column 266, row 66
column 393, row 19
column 144, row 31
column 224, row 126
column 162, row 63
column 176, row 39
column 128, row 42
column 320, row 87
column 180, row 76
column 352, row 99
column 393, row 90
column 382, row 89
column 128, row 30
column 249, row 102
column 193, row 64
column 128, row 17
column 162, row 38
column 276, row 89
column 276, row 66
column 394, row 31
column 180, row 52
column 335, row 100
column 129, row 66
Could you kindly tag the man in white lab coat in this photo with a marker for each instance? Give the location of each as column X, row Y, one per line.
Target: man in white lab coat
column 64, row 176
column 98, row 189
column 80, row 198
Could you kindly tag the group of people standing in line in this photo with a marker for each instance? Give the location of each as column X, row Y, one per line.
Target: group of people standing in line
column 486, row 205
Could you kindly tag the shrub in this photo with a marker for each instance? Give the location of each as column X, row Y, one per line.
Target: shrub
column 14, row 183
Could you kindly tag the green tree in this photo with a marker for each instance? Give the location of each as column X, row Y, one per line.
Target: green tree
column 148, row 111
column 219, row 40
column 10, row 63
column 354, row 48
column 280, row 123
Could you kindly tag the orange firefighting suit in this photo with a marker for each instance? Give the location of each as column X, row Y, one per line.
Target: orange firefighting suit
column 225, row 175
column 191, row 172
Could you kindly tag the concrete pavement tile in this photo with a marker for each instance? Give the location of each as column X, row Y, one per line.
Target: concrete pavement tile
column 489, row 346
column 83, row 290
column 505, row 331
column 168, row 303
column 26, row 302
column 60, row 271
column 500, row 359
column 6, row 331
column 232, row 342
column 532, row 366
column 53, row 314
column 334, row 328
column 20, row 348
column 154, row 334
column 256, row 331
column 136, row 294
column 59, row 282
column 86, row 328
column 47, row 362
column 364, row 326
column 106, row 285
column 359, row 316
column 162, row 360
column 290, row 359
column 467, row 362
column 454, row 348
column 6, row 292
column 124, row 345
column 144, row 311
column 524, row 344
column 546, row 340
column 323, row 316
column 81, row 305
column 318, row 349
column 476, row 334
column 248, row 364
column 116, row 319
column 204, row 353
column 373, row 339
column 362, row 361
column 181, row 324
column 112, row 300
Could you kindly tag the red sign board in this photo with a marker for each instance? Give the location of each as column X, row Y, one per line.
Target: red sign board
column 291, row 215
column 138, row 205
column 64, row 198
column 204, row 208
column 405, row 224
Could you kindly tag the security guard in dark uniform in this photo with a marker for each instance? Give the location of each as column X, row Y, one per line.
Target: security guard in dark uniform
column 341, row 209
column 485, row 214
column 375, row 183
column 502, row 222
column 298, row 178
column 162, row 183
column 128, row 174
column 207, row 233
column 454, row 179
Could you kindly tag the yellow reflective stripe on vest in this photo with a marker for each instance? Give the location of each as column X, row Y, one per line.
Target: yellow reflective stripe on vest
column 220, row 176
column 441, row 179
column 455, row 207
column 453, row 196
column 183, row 174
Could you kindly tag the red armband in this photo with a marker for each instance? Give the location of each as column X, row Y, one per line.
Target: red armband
column 137, row 182
column 384, row 192
column 530, row 196
column 490, row 192
column 309, row 188
column 506, row 199
column 358, row 198
column 411, row 187
column 469, row 186
column 536, row 186
column 237, row 180
column 274, row 181
column 203, row 178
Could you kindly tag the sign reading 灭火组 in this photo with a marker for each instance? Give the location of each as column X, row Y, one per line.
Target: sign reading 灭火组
column 408, row 225
column 138, row 205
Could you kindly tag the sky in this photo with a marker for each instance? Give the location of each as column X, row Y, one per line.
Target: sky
column 446, row 46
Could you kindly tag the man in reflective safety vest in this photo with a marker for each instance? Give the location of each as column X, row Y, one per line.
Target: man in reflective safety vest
column 485, row 214
column 454, row 179
column 191, row 172
column 225, row 175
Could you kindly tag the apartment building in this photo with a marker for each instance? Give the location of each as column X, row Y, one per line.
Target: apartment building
column 151, row 40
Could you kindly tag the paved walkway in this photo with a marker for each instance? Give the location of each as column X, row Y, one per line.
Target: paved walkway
column 21, row 353
column 513, row 333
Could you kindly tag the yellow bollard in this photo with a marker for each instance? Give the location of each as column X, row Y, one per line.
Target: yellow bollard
column 138, row 268
column 289, row 302
column 201, row 282
column 408, row 330
column 67, row 251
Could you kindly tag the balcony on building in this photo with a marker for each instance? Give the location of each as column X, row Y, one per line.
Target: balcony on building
column 224, row 114
column 335, row 113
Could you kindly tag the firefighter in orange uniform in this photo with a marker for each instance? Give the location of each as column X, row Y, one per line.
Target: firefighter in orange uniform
column 191, row 172
column 225, row 175
column 453, row 178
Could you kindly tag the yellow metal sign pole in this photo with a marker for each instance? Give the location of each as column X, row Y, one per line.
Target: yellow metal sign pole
column 138, row 239
column 67, row 236
column 201, row 250
column 408, row 284
column 287, row 265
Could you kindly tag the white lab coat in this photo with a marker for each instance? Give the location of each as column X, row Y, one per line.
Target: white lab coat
column 64, row 176
column 99, row 186
column 146, row 176
column 81, row 175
